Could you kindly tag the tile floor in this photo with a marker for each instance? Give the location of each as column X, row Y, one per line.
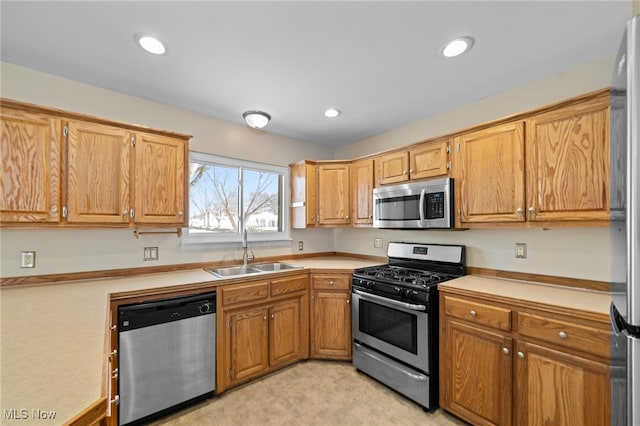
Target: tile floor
column 310, row 393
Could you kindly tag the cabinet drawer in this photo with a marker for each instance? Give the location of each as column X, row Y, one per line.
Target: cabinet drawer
column 245, row 293
column 478, row 313
column 288, row 285
column 566, row 334
column 331, row 282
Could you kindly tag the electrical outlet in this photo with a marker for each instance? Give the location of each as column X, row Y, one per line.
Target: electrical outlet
column 521, row 250
column 28, row 259
column 300, row 245
column 150, row 253
column 377, row 243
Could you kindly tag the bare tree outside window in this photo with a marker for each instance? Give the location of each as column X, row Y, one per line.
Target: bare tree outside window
column 215, row 202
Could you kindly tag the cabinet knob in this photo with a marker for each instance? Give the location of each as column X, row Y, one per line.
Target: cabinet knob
column 348, row 301
column 264, row 318
column 532, row 210
column 273, row 315
column 506, row 351
column 125, row 212
column 115, row 400
column 330, row 282
column 53, row 210
column 410, row 170
column 563, row 335
column 520, row 355
column 346, row 217
column 180, row 213
column 473, row 313
column 519, row 210
column 404, row 172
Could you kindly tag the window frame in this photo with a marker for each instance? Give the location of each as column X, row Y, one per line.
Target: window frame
column 189, row 238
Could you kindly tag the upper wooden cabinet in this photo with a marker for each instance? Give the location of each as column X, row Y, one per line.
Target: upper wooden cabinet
column 552, row 166
column 426, row 160
column 490, row 177
column 362, row 175
column 31, row 145
column 567, row 152
column 320, row 194
column 80, row 170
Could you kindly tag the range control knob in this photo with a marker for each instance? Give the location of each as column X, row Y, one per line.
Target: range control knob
column 398, row 290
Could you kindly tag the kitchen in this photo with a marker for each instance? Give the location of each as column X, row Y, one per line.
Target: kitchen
column 563, row 252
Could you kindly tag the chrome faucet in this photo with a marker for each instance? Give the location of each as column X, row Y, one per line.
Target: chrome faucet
column 245, row 256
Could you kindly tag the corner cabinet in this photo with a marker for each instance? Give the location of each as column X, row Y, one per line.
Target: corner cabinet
column 506, row 363
column 331, row 316
column 97, row 172
column 262, row 326
column 550, row 167
column 320, row 194
column 362, row 175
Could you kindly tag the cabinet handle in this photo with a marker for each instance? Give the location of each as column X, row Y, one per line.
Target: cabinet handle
column 273, row 315
column 519, row 210
column 532, row 210
column 265, row 318
column 404, row 172
column 180, row 213
column 563, row 335
column 346, row 217
column 348, row 301
column 410, row 170
column 115, row 400
column 53, row 210
column 125, row 212
column 520, row 355
column 114, row 374
column 505, row 350
column 473, row 313
column 330, row 282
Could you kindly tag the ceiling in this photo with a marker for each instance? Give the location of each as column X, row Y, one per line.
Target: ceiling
column 378, row 62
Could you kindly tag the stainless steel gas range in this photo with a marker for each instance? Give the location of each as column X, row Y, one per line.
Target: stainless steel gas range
column 395, row 317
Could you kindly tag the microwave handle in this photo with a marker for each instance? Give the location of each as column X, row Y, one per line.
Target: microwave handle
column 421, row 206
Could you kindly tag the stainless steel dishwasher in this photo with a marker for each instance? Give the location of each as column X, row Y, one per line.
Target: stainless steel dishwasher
column 167, row 356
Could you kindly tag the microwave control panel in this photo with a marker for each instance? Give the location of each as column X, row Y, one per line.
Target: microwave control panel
column 435, row 202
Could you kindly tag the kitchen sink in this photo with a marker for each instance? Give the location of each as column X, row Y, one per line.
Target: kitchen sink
column 233, row 271
column 275, row 266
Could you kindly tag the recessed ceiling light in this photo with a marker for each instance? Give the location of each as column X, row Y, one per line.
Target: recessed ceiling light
column 457, row 46
column 332, row 113
column 150, row 43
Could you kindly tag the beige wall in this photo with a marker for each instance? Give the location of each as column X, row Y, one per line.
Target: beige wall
column 75, row 250
column 635, row 7
column 569, row 252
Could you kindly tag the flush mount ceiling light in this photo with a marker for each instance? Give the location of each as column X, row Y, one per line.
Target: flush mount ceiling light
column 456, row 47
column 256, row 119
column 332, row 113
column 150, row 43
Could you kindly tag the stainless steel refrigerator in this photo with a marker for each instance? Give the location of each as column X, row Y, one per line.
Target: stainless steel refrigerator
column 625, row 230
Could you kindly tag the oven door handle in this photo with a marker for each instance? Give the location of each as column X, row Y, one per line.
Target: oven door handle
column 405, row 305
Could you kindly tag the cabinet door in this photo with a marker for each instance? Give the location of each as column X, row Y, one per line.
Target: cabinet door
column 333, row 194
column 556, row 388
column 98, row 170
column 476, row 374
column 362, row 192
column 249, row 343
column 31, row 160
column 492, row 174
column 284, row 333
column 568, row 163
column 303, row 195
column 393, row 168
column 160, row 184
column 429, row 160
column 331, row 325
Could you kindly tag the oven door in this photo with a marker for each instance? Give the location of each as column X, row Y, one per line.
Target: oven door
column 397, row 329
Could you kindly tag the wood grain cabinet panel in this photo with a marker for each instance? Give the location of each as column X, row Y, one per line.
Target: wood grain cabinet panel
column 334, row 196
column 331, row 316
column 491, row 186
column 568, row 163
column 479, row 313
column 31, row 145
column 478, row 380
column 393, row 168
column 160, row 180
column 98, row 169
column 362, row 192
column 429, row 160
column 555, row 388
column 284, row 333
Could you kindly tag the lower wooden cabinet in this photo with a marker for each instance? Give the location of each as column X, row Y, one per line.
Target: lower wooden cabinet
column 331, row 316
column 262, row 325
column 503, row 363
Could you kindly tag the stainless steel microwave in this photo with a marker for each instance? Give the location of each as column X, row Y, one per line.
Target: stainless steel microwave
column 418, row 205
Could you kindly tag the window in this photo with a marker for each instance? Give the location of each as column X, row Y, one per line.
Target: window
column 227, row 196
